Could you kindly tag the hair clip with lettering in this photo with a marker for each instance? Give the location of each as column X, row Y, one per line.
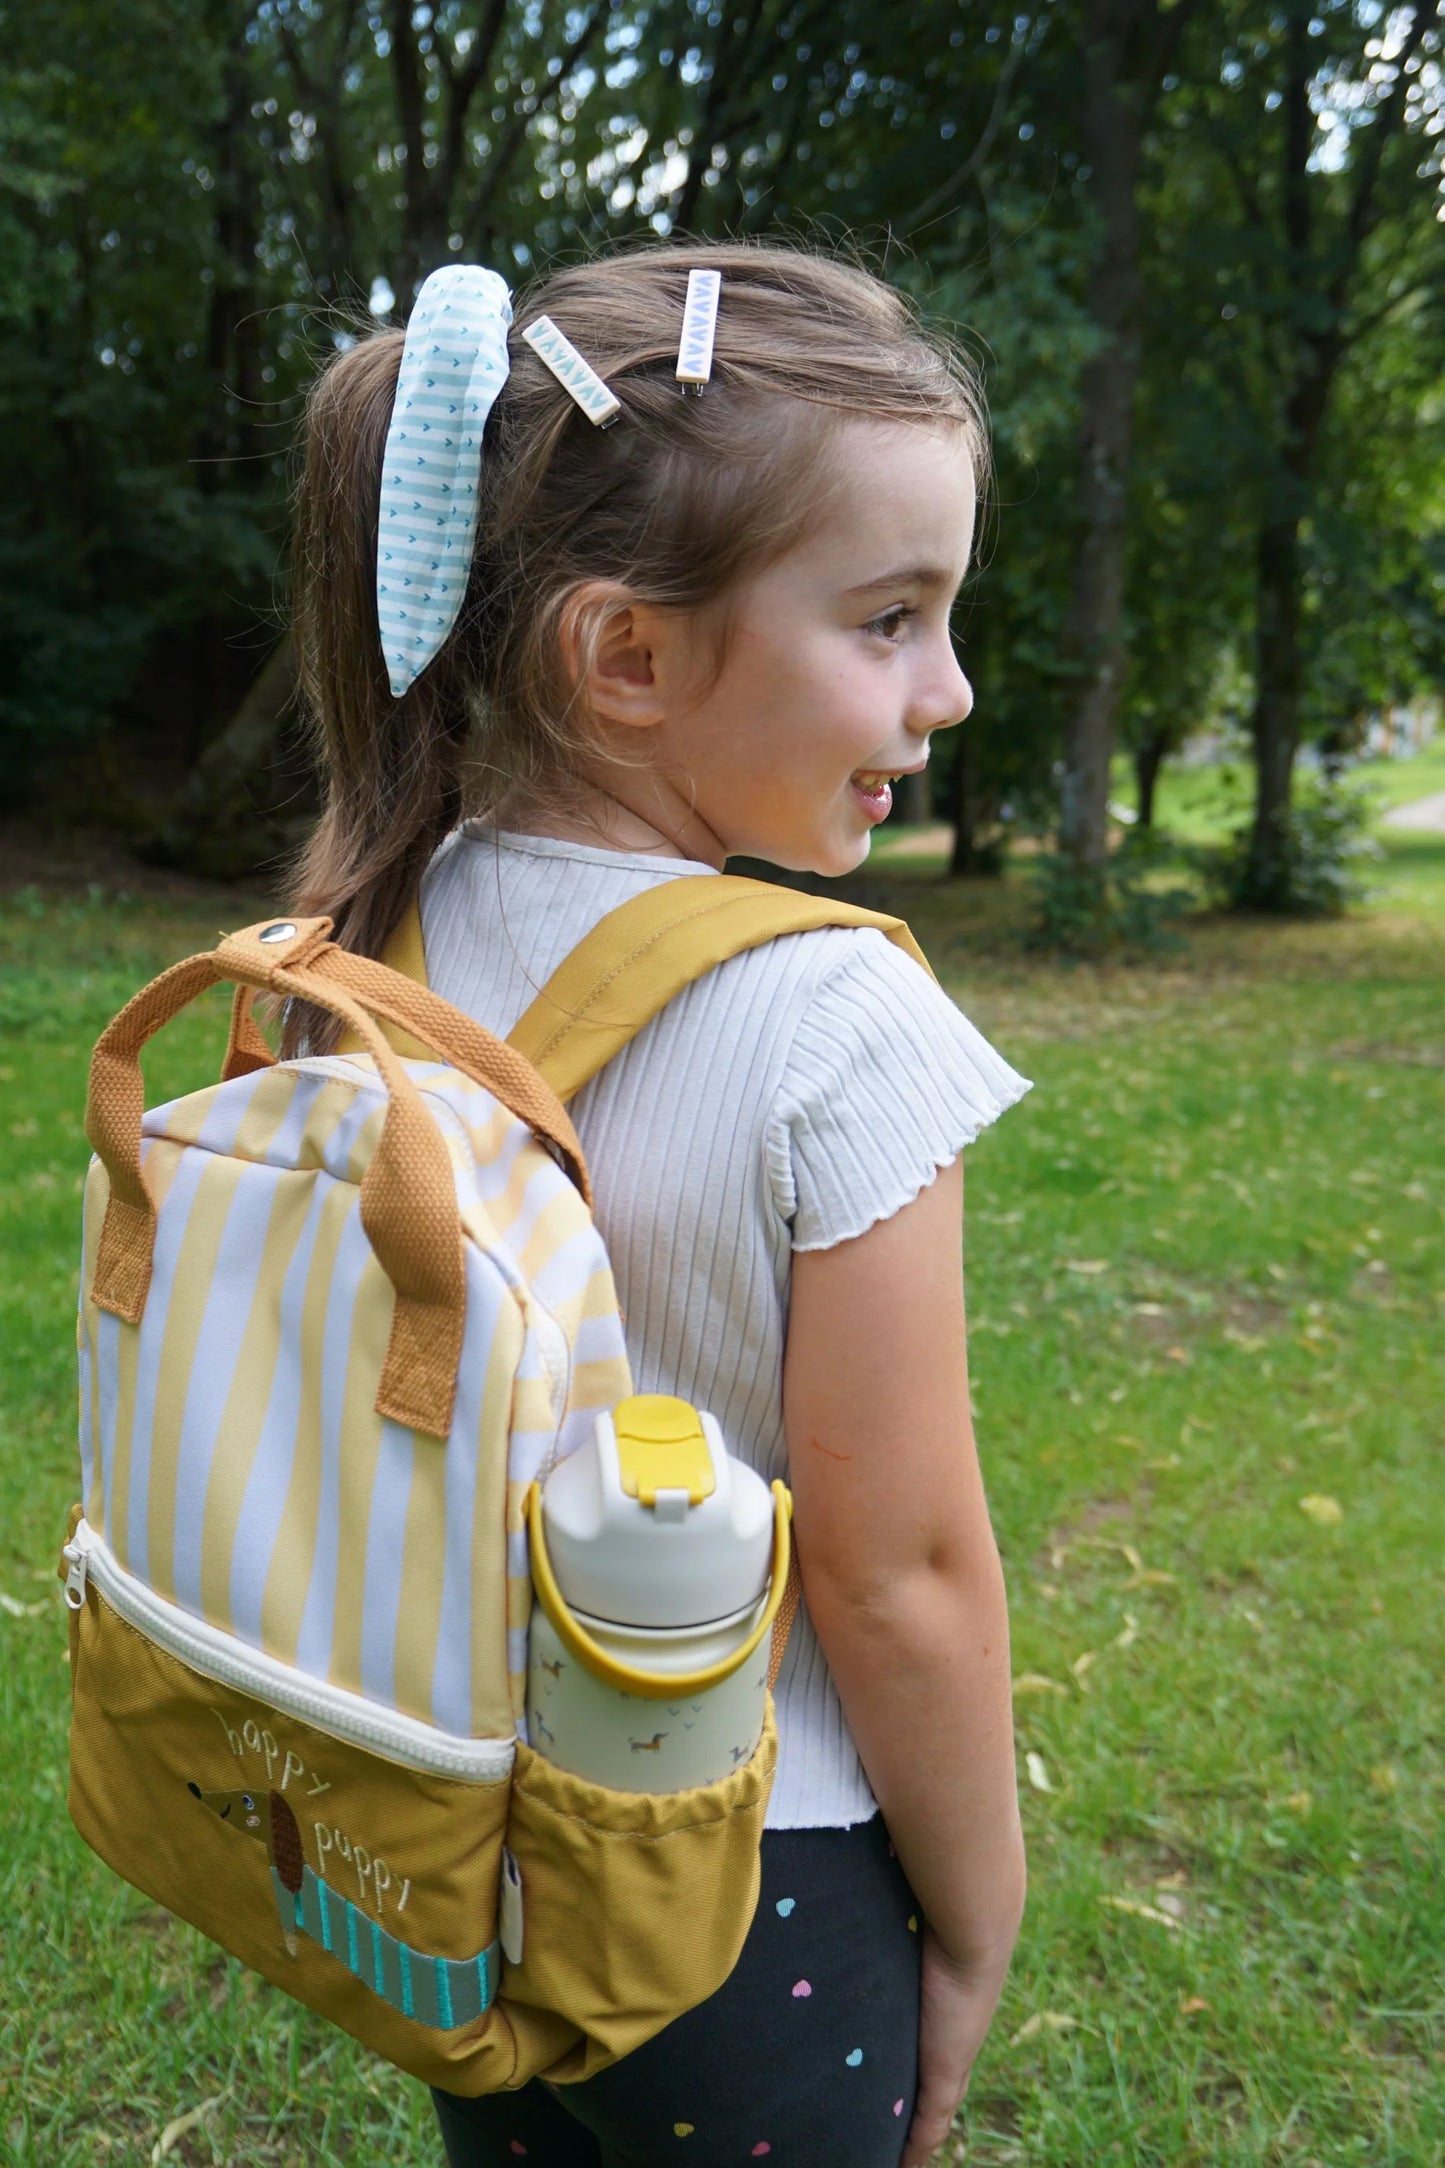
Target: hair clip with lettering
column 576, row 376
column 699, row 326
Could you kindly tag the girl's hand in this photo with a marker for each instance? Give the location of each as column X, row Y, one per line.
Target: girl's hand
column 958, row 2007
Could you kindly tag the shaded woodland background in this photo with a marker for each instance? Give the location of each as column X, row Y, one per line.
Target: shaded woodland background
column 1197, row 247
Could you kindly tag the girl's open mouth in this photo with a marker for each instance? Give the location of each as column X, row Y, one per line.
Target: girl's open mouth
column 873, row 787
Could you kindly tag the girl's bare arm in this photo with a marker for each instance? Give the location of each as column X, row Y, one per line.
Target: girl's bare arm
column 901, row 1570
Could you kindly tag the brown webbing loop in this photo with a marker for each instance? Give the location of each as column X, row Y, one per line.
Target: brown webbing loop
column 408, row 1196
column 787, row 1612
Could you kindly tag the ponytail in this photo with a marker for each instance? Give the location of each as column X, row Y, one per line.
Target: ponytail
column 393, row 768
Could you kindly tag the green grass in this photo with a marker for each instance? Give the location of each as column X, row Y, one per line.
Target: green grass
column 1204, row 804
column 1207, row 804
column 1205, row 1263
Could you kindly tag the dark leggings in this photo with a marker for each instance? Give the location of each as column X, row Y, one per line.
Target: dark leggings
column 806, row 2056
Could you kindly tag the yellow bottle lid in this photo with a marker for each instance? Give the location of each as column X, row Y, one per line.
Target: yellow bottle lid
column 661, row 1446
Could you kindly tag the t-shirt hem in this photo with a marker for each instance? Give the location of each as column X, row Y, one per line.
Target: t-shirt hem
column 874, row 1214
column 849, row 1820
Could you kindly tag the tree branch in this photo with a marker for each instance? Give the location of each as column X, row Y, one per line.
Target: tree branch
column 462, row 84
column 477, row 217
column 406, row 74
column 1169, row 28
column 934, row 204
column 1361, row 329
column 480, row 53
column 1364, row 211
column 711, row 121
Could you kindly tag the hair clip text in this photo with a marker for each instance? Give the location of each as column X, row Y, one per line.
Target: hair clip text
column 576, row 376
column 699, row 327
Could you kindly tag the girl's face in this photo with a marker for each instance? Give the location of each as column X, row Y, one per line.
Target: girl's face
column 838, row 669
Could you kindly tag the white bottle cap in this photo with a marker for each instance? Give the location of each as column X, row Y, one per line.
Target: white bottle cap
column 653, row 1523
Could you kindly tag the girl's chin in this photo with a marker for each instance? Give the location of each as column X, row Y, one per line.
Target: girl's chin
column 830, row 861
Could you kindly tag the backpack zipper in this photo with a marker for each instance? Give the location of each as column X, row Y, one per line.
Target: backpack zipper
column 220, row 1656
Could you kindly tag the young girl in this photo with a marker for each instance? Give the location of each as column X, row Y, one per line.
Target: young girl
column 721, row 626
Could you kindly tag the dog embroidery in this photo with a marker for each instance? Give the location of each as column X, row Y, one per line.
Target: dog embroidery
column 442, row 1991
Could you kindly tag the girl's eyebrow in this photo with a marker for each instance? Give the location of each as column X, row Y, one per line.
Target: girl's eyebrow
column 929, row 577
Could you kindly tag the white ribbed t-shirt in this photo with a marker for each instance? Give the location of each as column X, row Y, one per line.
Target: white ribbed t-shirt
column 796, row 1095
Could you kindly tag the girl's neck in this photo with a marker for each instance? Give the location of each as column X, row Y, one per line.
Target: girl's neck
column 641, row 816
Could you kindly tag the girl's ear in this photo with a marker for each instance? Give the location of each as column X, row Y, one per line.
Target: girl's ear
column 622, row 655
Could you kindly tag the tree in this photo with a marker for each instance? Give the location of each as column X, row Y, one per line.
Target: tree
column 1339, row 245
column 1127, row 49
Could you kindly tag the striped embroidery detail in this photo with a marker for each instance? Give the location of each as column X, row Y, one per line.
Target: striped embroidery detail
column 445, row 1992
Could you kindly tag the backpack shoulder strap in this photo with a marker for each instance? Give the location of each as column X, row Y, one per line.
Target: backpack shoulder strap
column 640, row 955
column 636, row 958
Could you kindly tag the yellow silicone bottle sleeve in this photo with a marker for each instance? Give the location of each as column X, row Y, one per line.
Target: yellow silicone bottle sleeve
column 652, row 1685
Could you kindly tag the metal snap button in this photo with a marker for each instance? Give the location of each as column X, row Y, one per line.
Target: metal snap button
column 283, row 930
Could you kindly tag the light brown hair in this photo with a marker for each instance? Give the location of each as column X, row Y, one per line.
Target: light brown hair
column 679, row 500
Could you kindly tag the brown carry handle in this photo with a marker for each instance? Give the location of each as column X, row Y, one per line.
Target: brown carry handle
column 408, row 1194
column 424, row 1017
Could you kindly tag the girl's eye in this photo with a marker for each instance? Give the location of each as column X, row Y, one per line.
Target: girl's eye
column 891, row 623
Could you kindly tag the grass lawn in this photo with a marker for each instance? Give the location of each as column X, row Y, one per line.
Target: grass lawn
column 1201, row 804
column 1205, row 1283
column 1205, row 804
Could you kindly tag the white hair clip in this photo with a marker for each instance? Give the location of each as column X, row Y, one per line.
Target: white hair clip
column 699, row 326
column 575, row 375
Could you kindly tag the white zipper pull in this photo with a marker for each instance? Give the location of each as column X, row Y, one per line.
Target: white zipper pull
column 509, row 1910
column 77, row 1558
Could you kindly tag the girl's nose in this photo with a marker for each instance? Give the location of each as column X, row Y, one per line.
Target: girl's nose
column 946, row 701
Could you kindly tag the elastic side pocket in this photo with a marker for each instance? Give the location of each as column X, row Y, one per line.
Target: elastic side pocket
column 366, row 1890
column 637, row 1904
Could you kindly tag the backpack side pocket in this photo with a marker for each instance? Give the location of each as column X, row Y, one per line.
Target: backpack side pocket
column 637, row 1904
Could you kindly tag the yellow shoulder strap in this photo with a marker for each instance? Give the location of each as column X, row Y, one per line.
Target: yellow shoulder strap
column 634, row 961
column 649, row 948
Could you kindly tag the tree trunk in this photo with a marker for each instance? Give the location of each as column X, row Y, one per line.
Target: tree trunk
column 1116, row 106
column 970, row 811
column 1275, row 721
column 1148, row 760
column 1321, row 278
column 223, row 823
column 913, row 799
column 233, row 331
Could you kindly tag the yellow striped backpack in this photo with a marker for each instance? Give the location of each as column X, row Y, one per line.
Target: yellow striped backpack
column 337, row 1315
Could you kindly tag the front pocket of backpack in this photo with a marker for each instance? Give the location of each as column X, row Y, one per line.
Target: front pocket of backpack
column 365, row 1887
column 636, row 1904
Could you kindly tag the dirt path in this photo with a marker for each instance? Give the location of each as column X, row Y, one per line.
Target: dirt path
column 1424, row 816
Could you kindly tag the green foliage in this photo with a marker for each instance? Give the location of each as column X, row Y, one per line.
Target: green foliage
column 1328, row 847
column 196, row 203
column 1126, row 910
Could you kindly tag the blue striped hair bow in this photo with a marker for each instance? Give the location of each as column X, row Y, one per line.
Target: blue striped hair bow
column 453, row 365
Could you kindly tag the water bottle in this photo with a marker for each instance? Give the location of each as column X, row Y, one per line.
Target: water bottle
column 658, row 1562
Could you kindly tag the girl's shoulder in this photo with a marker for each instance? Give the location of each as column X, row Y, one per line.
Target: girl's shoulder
column 885, row 1082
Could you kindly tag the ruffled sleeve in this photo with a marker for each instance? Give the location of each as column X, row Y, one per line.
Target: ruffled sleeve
column 885, row 1083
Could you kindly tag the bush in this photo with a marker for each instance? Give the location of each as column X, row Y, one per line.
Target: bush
column 1122, row 911
column 1321, row 869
